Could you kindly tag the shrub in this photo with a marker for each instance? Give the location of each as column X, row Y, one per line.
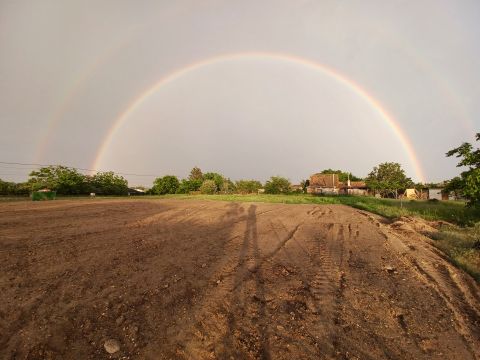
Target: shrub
column 208, row 187
column 217, row 178
column 168, row 184
column 277, row 185
column 248, row 186
column 187, row 186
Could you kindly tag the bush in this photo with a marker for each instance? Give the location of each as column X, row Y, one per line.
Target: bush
column 208, row 187
column 187, row 186
column 217, row 178
column 228, row 187
column 277, row 185
column 248, row 186
column 168, row 184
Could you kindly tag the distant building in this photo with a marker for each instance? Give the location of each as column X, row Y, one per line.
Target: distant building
column 132, row 191
column 354, row 188
column 324, row 184
column 436, row 194
column 331, row 184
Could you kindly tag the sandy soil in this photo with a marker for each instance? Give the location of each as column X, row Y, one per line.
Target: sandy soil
column 215, row 280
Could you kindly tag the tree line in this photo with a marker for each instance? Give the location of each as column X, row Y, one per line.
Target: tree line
column 387, row 179
column 215, row 183
column 67, row 181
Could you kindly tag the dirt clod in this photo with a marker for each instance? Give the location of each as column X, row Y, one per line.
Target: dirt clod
column 390, row 269
column 111, row 346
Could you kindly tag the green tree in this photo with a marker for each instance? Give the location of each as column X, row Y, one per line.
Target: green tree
column 108, row 183
column 277, row 185
column 21, row 189
column 62, row 179
column 208, row 187
column 196, row 174
column 7, row 188
column 186, row 186
column 455, row 186
column 469, row 182
column 387, row 179
column 168, row 184
column 217, row 178
column 248, row 186
column 228, row 187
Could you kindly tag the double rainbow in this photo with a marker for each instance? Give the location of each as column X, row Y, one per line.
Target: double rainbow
column 315, row 66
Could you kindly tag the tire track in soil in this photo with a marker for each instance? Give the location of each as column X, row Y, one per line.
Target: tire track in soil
column 437, row 275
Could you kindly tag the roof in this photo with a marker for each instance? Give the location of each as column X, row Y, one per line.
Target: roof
column 358, row 184
column 324, row 180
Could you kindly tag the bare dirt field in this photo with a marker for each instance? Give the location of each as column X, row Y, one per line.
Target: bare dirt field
column 168, row 279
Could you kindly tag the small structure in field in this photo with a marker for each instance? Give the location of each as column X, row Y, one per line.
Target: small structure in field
column 411, row 194
column 44, row 194
column 132, row 191
column 436, row 194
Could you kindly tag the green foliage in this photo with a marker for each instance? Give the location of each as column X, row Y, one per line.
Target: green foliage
column 342, row 175
column 455, row 186
column 462, row 244
column 68, row 181
column 469, row 183
column 63, row 180
column 228, row 187
column 217, row 178
column 387, row 179
column 248, row 186
column 208, row 187
column 168, row 184
column 186, row 186
column 14, row 189
column 277, row 185
column 107, row 183
column 195, row 174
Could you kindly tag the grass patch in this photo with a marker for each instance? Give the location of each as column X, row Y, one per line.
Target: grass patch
column 462, row 245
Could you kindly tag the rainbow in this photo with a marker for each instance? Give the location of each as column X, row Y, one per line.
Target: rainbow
column 341, row 79
column 69, row 96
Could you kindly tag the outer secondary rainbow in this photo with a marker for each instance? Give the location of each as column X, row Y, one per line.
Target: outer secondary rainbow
column 350, row 84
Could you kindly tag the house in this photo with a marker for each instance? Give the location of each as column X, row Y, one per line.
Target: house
column 354, row 188
column 324, row 184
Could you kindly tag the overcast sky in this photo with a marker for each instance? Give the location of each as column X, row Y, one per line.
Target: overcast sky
column 69, row 69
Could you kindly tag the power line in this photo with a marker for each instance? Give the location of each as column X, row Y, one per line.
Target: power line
column 12, row 174
column 73, row 167
column 9, row 167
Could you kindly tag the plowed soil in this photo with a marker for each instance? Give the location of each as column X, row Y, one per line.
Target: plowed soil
column 171, row 279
